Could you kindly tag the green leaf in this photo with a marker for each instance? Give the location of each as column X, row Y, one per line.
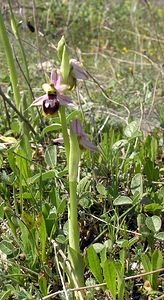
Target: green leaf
column 110, row 277
column 65, row 65
column 137, row 184
column 122, row 200
column 98, row 247
column 101, row 189
column 153, row 208
column 83, row 184
column 85, row 200
column 152, row 172
column 77, row 261
column 61, row 239
column 153, row 223
column 5, row 295
column 131, row 129
column 123, row 243
column 62, row 207
column 1, row 211
column 120, row 280
column 51, row 156
column 72, row 115
column 42, row 281
column 119, row 144
column 52, row 127
column 157, row 260
column 147, row 266
column 45, row 176
column 43, row 236
column 160, row 236
column 28, row 219
column 2, row 147
column 94, row 264
column 21, row 161
column 7, row 247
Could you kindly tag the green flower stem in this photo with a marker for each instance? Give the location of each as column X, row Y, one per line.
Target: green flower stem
column 72, row 217
column 64, row 131
column 10, row 61
column 74, row 234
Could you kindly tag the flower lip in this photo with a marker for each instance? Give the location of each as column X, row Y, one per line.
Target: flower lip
column 50, row 107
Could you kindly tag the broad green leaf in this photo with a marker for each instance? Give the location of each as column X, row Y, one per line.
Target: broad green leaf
column 51, row 156
column 77, row 262
column 1, row 211
column 43, row 235
column 137, row 184
column 160, row 236
column 101, row 189
column 8, row 139
column 110, row 277
column 28, row 219
column 9, row 214
column 71, row 116
column 94, row 264
column 52, row 127
column 5, row 295
column 12, row 161
column 85, row 200
column 21, row 161
column 147, row 266
column 42, row 281
column 98, row 247
column 7, row 247
column 157, row 260
column 62, row 207
column 153, row 223
column 151, row 171
column 2, row 147
column 122, row 243
column 153, row 208
column 131, row 129
column 45, row 176
column 119, row 144
column 61, row 239
column 122, row 200
column 62, row 173
column 83, row 184
column 120, row 280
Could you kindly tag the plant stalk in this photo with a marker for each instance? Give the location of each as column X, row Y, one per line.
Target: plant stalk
column 74, row 234
column 64, row 131
column 10, row 61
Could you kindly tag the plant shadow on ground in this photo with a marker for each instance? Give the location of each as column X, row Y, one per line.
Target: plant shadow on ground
column 120, row 189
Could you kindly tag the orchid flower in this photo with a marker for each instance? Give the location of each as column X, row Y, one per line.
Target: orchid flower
column 83, row 138
column 54, row 96
column 77, row 70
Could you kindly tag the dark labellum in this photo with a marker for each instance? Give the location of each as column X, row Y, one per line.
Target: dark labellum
column 50, row 105
column 30, row 26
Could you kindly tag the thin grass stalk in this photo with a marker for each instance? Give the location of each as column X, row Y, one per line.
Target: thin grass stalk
column 10, row 61
column 24, row 60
